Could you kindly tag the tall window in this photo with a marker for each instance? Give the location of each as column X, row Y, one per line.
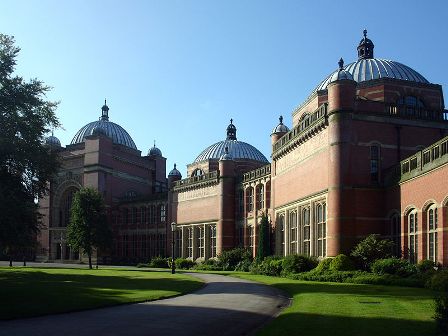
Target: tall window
column 321, row 223
column 260, row 196
column 190, row 242
column 374, row 163
column 212, row 241
column 162, row 213
column 395, row 234
column 412, row 236
column 240, row 205
column 432, row 234
column 306, row 231
column 281, row 233
column 201, row 241
column 293, row 232
column 179, row 243
column 66, row 206
column 250, row 199
column 252, row 236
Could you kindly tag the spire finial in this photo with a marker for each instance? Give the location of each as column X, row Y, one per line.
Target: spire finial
column 174, row 166
column 231, row 121
column 154, row 143
column 231, row 131
column 365, row 33
column 281, row 120
column 105, row 111
column 341, row 64
column 365, row 47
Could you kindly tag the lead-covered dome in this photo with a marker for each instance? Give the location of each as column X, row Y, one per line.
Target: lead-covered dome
column 236, row 149
column 52, row 141
column 368, row 68
column 105, row 127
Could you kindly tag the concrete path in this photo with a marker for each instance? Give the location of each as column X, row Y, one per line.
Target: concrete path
column 224, row 306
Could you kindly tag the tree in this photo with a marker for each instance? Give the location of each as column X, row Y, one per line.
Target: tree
column 26, row 164
column 263, row 238
column 372, row 248
column 88, row 227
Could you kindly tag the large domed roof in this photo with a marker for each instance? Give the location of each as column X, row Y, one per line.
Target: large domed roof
column 103, row 126
column 368, row 68
column 236, row 149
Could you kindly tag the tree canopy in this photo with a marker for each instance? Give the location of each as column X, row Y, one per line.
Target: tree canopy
column 88, row 227
column 263, row 248
column 26, row 164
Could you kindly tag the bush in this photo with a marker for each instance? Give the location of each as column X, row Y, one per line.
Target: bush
column 231, row 258
column 327, row 276
column 323, row 266
column 341, row 263
column 295, row 263
column 269, row 266
column 158, row 262
column 425, row 266
column 243, row 266
column 394, row 266
column 208, row 265
column 386, row 279
column 439, row 283
column 182, row 263
column 370, row 249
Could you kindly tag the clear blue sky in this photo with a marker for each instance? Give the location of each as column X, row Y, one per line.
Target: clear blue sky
column 177, row 71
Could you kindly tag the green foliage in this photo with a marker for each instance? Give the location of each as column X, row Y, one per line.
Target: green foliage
column 370, row 249
column 327, row 276
column 425, row 266
column 243, row 266
column 341, row 263
column 272, row 265
column 439, row 283
column 263, row 248
column 323, row 266
column 159, row 262
column 231, row 258
column 26, row 164
column 394, row 266
column 88, row 227
column 182, row 263
column 209, row 265
column 295, row 263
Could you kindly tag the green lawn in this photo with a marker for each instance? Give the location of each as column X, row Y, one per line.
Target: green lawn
column 26, row 292
column 320, row 308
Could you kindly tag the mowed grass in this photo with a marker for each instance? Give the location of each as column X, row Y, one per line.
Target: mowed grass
column 26, row 292
column 320, row 308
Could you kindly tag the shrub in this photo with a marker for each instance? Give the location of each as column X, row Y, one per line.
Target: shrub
column 229, row 259
column 208, row 265
column 439, row 283
column 182, row 263
column 425, row 266
column 386, row 279
column 370, row 249
column 269, row 266
column 323, row 266
column 243, row 265
column 341, row 263
column 295, row 263
column 326, row 276
column 158, row 262
column 394, row 266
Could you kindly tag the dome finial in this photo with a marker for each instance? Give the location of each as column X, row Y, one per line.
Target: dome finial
column 174, row 166
column 365, row 47
column 281, row 120
column 341, row 64
column 105, row 111
column 231, row 131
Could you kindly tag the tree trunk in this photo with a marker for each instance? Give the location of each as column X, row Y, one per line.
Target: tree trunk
column 10, row 261
column 90, row 260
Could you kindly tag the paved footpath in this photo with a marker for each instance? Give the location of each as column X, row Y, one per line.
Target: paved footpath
column 224, row 306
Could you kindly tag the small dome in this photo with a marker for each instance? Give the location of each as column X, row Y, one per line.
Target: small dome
column 226, row 156
column 52, row 141
column 280, row 128
column 238, row 150
column 108, row 128
column 175, row 172
column 155, row 151
column 341, row 74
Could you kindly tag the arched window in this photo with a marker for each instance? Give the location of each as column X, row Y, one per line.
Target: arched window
column 412, row 236
column 197, row 172
column 260, row 196
column 306, row 231
column 321, row 223
column 432, row 233
column 250, row 199
column 268, row 194
column 66, row 206
column 395, row 234
column 293, row 232
column 411, row 105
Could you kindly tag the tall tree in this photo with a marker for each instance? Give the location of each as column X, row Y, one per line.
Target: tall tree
column 88, row 227
column 263, row 238
column 26, row 164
